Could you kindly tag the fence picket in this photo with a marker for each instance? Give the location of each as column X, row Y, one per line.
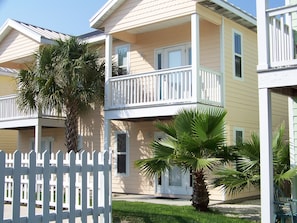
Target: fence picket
column 45, row 191
column 2, row 183
column 95, row 187
column 31, row 189
column 72, row 181
column 59, row 187
column 84, row 185
column 16, row 187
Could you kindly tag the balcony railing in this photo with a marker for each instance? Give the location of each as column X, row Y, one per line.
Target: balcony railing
column 282, row 35
column 164, row 87
column 9, row 110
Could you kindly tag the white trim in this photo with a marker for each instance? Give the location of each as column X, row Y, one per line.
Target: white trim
column 235, row 54
column 127, row 153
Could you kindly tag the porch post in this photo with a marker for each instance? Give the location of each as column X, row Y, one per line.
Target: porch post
column 266, row 158
column 263, row 35
column 108, row 74
column 37, row 138
column 292, row 102
column 196, row 88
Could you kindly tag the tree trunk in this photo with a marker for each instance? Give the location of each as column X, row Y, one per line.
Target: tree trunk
column 71, row 130
column 200, row 196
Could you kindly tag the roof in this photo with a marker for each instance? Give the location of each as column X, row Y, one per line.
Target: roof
column 230, row 11
column 222, row 7
column 8, row 72
column 41, row 35
column 93, row 37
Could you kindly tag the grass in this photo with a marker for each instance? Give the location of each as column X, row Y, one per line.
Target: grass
column 139, row 212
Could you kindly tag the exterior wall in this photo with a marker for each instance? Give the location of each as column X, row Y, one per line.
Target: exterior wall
column 140, row 135
column 16, row 45
column 135, row 13
column 7, row 85
column 8, row 138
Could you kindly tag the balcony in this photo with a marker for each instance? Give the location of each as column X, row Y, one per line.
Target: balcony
column 165, row 87
column 10, row 112
column 282, row 28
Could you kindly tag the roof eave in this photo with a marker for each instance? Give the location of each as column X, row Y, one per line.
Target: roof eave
column 104, row 12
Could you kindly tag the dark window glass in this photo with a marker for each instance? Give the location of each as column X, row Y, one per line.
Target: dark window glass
column 238, row 137
column 238, row 66
column 121, row 163
column 121, row 143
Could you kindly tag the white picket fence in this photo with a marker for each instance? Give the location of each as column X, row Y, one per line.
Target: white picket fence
column 72, row 187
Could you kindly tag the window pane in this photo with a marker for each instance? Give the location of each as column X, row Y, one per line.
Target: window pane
column 238, row 137
column 238, row 66
column 237, row 43
column 159, row 61
column 122, row 56
column 121, row 142
column 121, row 164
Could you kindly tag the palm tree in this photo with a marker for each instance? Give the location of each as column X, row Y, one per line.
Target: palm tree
column 192, row 141
column 66, row 76
column 246, row 171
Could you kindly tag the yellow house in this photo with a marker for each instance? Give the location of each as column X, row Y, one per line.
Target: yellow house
column 175, row 54
column 171, row 54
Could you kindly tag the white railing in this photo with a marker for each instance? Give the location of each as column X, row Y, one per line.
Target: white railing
column 282, row 29
column 65, row 186
column 164, row 87
column 9, row 110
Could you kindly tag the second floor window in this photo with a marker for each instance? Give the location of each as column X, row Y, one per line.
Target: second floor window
column 237, row 53
column 122, row 59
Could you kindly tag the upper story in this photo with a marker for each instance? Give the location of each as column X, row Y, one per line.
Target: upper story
column 18, row 44
column 277, row 29
column 173, row 54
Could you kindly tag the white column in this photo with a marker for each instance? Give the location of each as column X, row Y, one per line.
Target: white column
column 195, row 56
column 292, row 142
column 108, row 69
column 263, row 35
column 37, row 138
column 108, row 74
column 266, row 159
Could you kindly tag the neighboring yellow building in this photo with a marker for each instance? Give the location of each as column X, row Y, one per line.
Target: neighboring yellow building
column 171, row 54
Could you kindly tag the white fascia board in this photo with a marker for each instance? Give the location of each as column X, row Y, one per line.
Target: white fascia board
column 11, row 24
column 96, row 39
column 99, row 17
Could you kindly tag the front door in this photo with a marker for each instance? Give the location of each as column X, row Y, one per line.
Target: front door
column 174, row 181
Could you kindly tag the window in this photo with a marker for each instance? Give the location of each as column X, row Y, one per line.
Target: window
column 122, row 154
column 237, row 54
column 238, row 136
column 173, row 56
column 122, row 59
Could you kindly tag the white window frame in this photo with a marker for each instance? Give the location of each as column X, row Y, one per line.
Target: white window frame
column 234, row 54
column 186, row 47
column 122, row 153
column 127, row 46
column 237, row 129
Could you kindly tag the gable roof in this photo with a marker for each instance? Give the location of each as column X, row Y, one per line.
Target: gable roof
column 222, row 7
column 41, row 35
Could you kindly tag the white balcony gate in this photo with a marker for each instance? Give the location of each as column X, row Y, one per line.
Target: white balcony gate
column 55, row 187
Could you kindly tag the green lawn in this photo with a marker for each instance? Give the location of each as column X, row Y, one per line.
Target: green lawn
column 139, row 212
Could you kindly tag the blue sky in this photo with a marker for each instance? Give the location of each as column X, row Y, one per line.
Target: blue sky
column 72, row 16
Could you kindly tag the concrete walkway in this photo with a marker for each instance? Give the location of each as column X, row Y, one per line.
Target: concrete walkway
column 248, row 209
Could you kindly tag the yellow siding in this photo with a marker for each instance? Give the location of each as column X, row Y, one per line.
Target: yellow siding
column 241, row 96
column 15, row 46
column 8, row 140
column 135, row 13
column 140, row 136
column 7, row 85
